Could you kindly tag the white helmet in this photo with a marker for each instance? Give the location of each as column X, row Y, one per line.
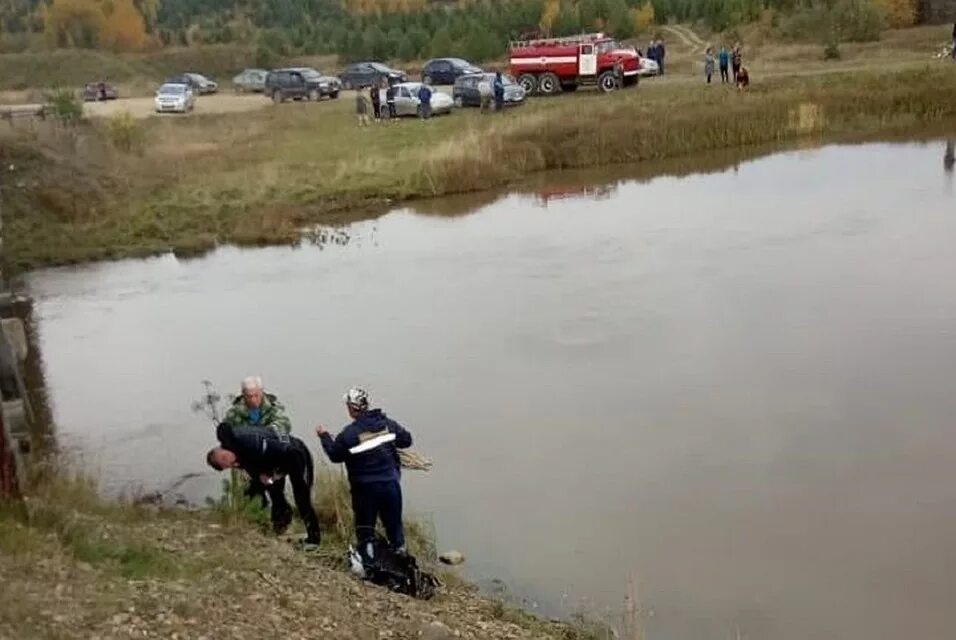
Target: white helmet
column 357, row 398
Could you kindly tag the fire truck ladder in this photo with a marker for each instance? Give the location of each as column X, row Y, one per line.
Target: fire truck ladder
column 564, row 40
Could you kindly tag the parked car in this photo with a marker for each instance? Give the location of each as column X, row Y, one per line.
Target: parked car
column 94, row 91
column 446, row 70
column 175, row 98
column 408, row 104
column 648, row 68
column 300, row 83
column 465, row 92
column 251, row 80
column 364, row 74
column 199, row 83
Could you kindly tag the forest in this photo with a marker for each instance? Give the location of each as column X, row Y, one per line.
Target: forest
column 414, row 29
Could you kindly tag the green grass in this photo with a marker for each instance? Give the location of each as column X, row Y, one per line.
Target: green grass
column 259, row 177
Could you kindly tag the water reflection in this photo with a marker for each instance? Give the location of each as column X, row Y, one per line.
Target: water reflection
column 949, row 156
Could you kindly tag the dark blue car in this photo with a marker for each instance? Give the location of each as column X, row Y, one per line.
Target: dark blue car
column 446, row 70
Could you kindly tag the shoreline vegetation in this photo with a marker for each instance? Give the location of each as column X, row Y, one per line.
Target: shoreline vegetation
column 119, row 187
column 77, row 565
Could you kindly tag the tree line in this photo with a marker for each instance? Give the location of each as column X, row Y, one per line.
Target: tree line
column 415, row 29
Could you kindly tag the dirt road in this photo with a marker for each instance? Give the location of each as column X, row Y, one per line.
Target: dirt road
column 144, row 107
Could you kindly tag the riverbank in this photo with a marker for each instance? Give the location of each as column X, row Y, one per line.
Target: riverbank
column 111, row 190
column 78, row 566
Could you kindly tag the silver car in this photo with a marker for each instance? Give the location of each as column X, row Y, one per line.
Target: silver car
column 175, row 98
column 251, row 80
column 407, row 102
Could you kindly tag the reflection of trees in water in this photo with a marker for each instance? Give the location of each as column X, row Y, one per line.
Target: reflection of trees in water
column 324, row 236
column 949, row 156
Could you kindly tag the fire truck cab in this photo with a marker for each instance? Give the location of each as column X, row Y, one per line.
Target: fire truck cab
column 550, row 65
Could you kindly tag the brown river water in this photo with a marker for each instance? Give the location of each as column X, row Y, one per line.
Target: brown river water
column 736, row 388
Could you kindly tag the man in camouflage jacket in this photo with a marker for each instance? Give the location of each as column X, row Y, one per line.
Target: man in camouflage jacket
column 256, row 408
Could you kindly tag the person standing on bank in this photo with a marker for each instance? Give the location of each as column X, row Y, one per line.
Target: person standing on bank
column 724, row 59
column 709, row 64
column 499, row 90
column 369, row 448
column 375, row 95
column 390, row 99
column 425, row 101
column 661, row 52
column 268, row 457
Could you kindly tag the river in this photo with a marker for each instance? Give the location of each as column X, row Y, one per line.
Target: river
column 735, row 388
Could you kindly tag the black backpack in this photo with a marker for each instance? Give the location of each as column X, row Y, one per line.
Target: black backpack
column 397, row 571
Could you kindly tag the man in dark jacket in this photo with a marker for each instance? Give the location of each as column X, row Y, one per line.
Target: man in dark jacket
column 661, row 52
column 498, row 86
column 269, row 456
column 369, row 448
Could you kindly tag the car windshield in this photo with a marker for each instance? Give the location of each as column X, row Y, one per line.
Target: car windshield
column 380, row 67
column 310, row 74
column 606, row 47
column 172, row 90
column 196, row 77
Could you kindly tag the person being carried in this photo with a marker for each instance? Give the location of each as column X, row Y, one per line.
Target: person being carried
column 256, row 408
column 269, row 457
column 743, row 78
column 369, row 448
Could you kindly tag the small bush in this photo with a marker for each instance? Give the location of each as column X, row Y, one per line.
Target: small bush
column 66, row 106
column 831, row 50
column 125, row 132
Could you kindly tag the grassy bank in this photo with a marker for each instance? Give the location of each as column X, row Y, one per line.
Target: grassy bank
column 77, row 566
column 188, row 183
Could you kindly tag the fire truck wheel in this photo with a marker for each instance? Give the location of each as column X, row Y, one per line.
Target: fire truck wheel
column 607, row 82
column 528, row 82
column 549, row 84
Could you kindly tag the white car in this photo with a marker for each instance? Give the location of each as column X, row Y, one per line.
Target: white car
column 407, row 102
column 175, row 98
column 648, row 68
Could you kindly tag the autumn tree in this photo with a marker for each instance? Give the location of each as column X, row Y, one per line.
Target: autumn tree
column 899, row 13
column 124, row 28
column 642, row 17
column 73, row 23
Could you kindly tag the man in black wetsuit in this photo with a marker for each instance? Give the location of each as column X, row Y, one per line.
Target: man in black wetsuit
column 268, row 456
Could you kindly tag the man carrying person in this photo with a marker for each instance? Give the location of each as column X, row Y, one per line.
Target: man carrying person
column 369, row 448
column 268, row 457
column 256, row 408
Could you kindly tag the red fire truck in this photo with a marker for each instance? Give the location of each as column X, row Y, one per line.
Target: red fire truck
column 550, row 65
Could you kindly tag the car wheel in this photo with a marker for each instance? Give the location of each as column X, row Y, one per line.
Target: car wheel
column 334, row 95
column 549, row 84
column 277, row 97
column 607, row 82
column 314, row 95
column 459, row 102
column 528, row 82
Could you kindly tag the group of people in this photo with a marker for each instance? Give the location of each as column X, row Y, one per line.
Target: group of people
column 656, row 51
column 367, row 109
column 728, row 60
column 255, row 436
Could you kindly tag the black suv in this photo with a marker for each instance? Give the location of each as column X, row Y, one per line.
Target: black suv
column 365, row 74
column 446, row 70
column 300, row 83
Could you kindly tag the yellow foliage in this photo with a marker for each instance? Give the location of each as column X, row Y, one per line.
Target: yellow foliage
column 124, row 29
column 643, row 17
column 899, row 13
column 113, row 24
column 548, row 15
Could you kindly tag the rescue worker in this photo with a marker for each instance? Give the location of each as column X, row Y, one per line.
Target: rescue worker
column 369, row 448
column 256, row 408
column 499, row 90
column 269, row 456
